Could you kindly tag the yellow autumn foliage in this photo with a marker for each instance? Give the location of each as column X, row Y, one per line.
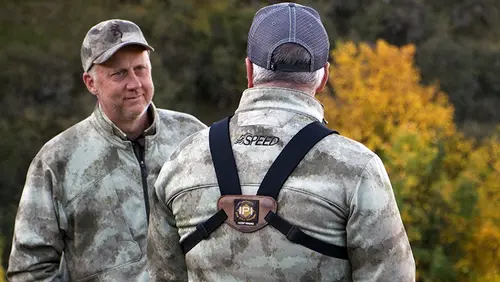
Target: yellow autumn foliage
column 482, row 252
column 447, row 187
column 2, row 271
column 385, row 82
column 2, row 274
column 380, row 102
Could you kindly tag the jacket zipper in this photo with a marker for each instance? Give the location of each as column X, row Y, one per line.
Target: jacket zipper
column 139, row 154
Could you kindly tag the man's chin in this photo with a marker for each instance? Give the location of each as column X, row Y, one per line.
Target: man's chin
column 137, row 112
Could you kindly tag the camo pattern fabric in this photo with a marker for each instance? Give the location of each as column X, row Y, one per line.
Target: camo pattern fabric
column 106, row 37
column 84, row 198
column 340, row 193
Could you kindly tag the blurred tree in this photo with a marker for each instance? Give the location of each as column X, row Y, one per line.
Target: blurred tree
column 441, row 53
column 2, row 274
column 482, row 251
column 397, row 102
column 379, row 101
column 456, row 42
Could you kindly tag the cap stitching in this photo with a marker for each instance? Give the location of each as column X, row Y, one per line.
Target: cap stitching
column 294, row 23
column 290, row 30
column 262, row 18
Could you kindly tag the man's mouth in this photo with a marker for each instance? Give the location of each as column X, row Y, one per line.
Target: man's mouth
column 132, row 98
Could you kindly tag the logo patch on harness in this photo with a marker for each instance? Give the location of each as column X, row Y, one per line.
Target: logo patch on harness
column 246, row 212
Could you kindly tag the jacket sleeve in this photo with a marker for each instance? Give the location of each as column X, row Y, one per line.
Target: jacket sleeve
column 165, row 255
column 378, row 246
column 37, row 243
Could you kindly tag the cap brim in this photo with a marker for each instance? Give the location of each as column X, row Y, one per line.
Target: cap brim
column 106, row 55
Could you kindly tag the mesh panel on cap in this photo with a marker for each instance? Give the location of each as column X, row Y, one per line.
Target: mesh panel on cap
column 272, row 25
column 267, row 36
column 312, row 35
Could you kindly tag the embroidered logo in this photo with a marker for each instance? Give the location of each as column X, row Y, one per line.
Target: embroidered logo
column 246, row 212
column 115, row 29
column 248, row 139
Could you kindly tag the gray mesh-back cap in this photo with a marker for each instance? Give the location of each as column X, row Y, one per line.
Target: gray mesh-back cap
column 282, row 23
column 107, row 37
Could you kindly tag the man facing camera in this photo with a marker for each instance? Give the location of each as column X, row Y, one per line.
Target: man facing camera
column 85, row 204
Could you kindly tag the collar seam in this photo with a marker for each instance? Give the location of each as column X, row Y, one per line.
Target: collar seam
column 281, row 109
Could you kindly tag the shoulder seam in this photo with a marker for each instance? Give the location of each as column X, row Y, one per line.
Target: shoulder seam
column 359, row 179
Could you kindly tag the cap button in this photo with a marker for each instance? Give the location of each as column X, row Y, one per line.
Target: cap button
column 291, row 4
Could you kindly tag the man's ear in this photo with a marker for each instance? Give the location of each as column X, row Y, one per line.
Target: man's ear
column 249, row 72
column 324, row 80
column 90, row 83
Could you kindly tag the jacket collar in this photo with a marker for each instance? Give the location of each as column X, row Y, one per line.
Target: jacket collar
column 281, row 98
column 110, row 128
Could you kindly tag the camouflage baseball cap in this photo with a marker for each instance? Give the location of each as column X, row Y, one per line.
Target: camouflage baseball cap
column 107, row 37
column 282, row 23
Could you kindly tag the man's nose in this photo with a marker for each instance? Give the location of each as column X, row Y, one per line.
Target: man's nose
column 133, row 81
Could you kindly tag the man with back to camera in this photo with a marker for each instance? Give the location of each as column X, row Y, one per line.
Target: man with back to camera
column 271, row 194
column 87, row 191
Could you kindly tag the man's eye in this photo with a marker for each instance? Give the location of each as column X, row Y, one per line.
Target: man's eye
column 119, row 73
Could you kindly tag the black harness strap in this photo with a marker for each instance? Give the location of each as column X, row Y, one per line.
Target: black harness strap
column 297, row 236
column 280, row 170
column 283, row 166
column 227, row 177
column 223, row 158
column 290, row 157
column 203, row 230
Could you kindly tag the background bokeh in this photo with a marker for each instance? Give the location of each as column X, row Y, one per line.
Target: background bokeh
column 414, row 80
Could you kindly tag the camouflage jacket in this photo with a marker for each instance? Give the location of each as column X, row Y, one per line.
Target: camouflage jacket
column 84, row 198
column 340, row 193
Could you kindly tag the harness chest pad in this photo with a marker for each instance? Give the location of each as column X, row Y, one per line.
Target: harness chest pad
column 246, row 213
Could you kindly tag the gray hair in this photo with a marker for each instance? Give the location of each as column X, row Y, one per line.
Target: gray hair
column 311, row 79
column 289, row 53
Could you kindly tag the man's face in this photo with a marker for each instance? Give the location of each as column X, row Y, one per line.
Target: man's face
column 123, row 84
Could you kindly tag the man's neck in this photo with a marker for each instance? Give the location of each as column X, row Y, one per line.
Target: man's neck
column 299, row 87
column 134, row 128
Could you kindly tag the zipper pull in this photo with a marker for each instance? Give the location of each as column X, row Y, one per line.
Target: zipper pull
column 143, row 169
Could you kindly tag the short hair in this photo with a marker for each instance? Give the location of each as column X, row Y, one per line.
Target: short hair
column 289, row 53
